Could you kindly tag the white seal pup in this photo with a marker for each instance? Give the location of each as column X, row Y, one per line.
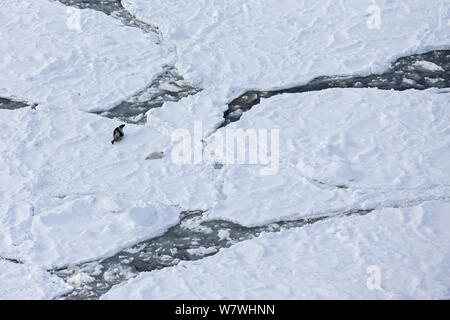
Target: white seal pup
column 155, row 155
column 118, row 134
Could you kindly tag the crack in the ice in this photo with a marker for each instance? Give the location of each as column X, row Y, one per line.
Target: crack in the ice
column 12, row 104
column 115, row 9
column 193, row 238
column 405, row 73
column 12, row 260
column 168, row 86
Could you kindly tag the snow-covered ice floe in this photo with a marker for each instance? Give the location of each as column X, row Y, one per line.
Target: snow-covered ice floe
column 387, row 254
column 338, row 149
column 92, row 64
column 229, row 47
column 68, row 195
column 244, row 45
column 341, row 151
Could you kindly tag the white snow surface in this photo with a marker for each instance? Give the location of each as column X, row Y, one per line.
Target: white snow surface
column 338, row 149
column 25, row 281
column 47, row 59
column 240, row 45
column 398, row 253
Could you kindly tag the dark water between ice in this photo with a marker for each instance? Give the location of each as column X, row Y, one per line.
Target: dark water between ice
column 405, row 73
column 115, row 9
column 191, row 239
column 168, row 86
column 10, row 104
